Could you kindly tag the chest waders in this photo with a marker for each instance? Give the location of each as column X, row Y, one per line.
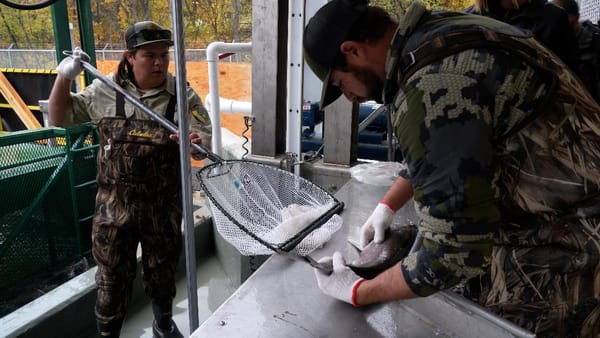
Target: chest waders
column 138, row 201
column 545, row 269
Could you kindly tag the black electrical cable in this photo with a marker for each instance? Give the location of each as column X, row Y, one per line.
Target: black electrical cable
column 25, row 5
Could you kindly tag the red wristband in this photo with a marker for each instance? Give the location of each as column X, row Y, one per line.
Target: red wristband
column 388, row 205
column 354, row 289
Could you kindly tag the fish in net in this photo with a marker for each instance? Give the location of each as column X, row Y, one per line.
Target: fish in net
column 261, row 209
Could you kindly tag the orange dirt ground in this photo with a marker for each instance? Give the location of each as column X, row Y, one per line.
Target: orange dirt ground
column 235, row 82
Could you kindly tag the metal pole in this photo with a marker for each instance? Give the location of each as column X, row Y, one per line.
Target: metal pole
column 60, row 23
column 186, row 166
column 86, row 33
column 371, row 117
column 10, row 63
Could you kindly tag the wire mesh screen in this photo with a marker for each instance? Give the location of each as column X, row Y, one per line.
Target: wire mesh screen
column 260, row 209
column 48, row 185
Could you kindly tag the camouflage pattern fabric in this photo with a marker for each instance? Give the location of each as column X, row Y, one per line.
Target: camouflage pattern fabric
column 97, row 101
column 138, row 201
column 507, row 199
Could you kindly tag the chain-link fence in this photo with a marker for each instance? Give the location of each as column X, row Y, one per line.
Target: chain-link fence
column 46, row 58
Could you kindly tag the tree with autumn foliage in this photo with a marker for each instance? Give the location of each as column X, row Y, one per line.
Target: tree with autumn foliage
column 397, row 7
column 204, row 20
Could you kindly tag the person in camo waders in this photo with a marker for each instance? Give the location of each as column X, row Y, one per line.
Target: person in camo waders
column 501, row 151
column 139, row 187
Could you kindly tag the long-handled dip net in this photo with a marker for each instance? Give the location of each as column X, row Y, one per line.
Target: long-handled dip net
column 259, row 209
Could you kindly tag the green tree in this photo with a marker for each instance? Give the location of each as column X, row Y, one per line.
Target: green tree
column 25, row 29
column 217, row 20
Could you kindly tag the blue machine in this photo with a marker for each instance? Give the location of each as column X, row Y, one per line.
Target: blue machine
column 372, row 141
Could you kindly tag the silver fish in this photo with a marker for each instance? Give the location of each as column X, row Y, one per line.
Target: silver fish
column 375, row 258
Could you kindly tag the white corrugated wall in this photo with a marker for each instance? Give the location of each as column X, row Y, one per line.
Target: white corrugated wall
column 589, row 10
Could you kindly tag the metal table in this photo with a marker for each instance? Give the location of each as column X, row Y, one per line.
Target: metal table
column 281, row 299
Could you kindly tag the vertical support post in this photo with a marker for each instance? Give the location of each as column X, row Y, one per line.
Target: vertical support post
column 340, row 132
column 186, row 166
column 269, row 31
column 86, row 33
column 294, row 79
column 60, row 23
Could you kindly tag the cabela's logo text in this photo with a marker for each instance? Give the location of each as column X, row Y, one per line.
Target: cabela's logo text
column 140, row 133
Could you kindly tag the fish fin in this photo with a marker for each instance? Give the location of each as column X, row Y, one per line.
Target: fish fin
column 355, row 244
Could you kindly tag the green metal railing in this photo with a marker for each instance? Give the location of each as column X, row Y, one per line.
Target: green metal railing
column 47, row 195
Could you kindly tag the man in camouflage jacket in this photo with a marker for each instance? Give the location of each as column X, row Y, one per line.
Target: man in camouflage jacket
column 501, row 147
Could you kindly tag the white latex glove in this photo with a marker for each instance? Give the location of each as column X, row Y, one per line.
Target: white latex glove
column 342, row 283
column 70, row 67
column 374, row 228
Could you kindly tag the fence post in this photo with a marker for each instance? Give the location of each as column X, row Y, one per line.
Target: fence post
column 10, row 64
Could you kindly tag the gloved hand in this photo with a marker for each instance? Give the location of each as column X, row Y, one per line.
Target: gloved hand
column 374, row 228
column 342, row 283
column 70, row 67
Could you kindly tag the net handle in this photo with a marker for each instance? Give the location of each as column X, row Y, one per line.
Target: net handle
column 157, row 117
column 326, row 268
column 290, row 245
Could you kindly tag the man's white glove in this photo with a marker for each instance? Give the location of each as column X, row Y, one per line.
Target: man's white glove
column 70, row 67
column 374, row 228
column 342, row 283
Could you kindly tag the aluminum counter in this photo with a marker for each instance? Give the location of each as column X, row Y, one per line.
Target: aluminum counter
column 281, row 299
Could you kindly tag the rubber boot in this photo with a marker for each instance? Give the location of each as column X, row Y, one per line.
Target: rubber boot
column 110, row 329
column 172, row 332
column 163, row 325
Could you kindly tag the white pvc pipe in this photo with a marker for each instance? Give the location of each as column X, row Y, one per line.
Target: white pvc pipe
column 294, row 79
column 230, row 106
column 212, row 58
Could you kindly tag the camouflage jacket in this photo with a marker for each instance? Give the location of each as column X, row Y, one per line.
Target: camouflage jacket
column 98, row 100
column 488, row 139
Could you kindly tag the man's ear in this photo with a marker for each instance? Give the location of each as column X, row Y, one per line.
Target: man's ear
column 351, row 48
column 355, row 52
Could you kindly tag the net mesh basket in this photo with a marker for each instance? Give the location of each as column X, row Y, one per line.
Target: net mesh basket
column 261, row 209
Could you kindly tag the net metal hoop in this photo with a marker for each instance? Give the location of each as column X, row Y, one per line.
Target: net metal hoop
column 217, row 169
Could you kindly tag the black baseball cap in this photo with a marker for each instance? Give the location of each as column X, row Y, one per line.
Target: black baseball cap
column 323, row 35
column 146, row 32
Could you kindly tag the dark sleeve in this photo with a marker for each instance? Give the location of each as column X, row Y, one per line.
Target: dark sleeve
column 556, row 33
